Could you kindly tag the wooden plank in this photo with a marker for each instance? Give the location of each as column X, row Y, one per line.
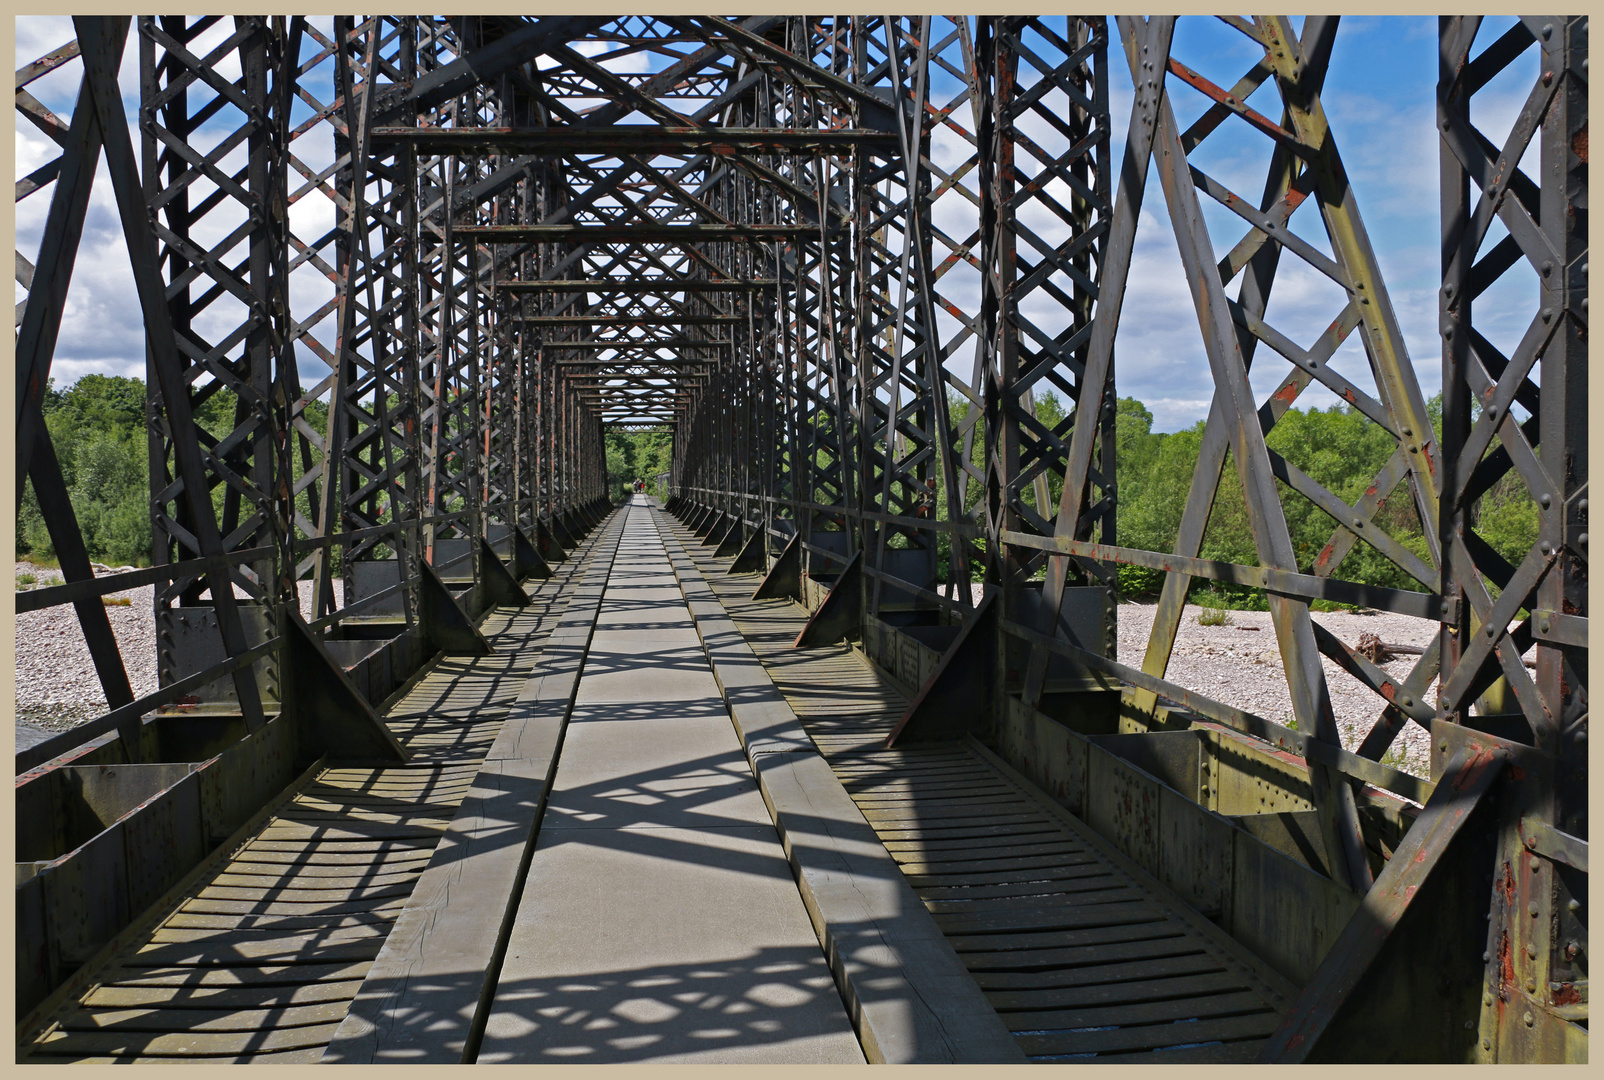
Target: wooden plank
column 243, row 974
column 1136, row 929
column 1126, row 1009
column 1020, row 856
column 206, row 1020
column 940, row 807
column 287, row 832
column 306, row 1056
column 284, row 902
column 1023, row 969
column 1058, row 880
column 195, row 1044
column 1068, row 917
column 1049, row 870
column 977, row 844
column 1064, row 857
column 966, row 832
column 318, row 882
column 1093, row 891
column 1151, row 1036
column 223, row 997
column 331, row 850
column 310, row 948
column 218, row 940
column 305, row 896
column 422, row 817
column 1231, row 1053
column 343, row 866
column 200, row 920
column 936, row 819
column 902, row 787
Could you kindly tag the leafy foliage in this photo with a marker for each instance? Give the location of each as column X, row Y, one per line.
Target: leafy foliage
column 98, row 428
column 637, row 455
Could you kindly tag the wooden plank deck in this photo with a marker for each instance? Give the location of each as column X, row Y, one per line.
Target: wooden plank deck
column 1083, row 955
column 262, row 962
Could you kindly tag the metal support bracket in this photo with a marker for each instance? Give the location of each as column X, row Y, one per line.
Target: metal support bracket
column 331, row 714
column 444, row 621
column 750, row 557
column 785, row 576
column 526, row 560
column 500, row 584
column 840, row 613
column 956, row 700
column 733, row 541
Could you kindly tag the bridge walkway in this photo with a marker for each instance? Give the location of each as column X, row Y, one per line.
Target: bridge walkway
column 1083, row 954
column 659, row 921
column 260, row 963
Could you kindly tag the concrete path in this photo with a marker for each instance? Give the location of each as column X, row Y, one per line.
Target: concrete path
column 659, row 921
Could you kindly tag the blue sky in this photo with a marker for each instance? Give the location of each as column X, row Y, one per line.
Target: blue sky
column 1379, row 98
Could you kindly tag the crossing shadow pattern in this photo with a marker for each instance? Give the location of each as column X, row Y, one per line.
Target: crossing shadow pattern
column 1083, row 955
column 261, row 963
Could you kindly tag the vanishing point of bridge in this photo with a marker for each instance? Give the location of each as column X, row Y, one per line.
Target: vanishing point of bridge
column 821, row 753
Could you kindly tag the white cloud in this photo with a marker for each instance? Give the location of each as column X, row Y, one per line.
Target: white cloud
column 1389, row 147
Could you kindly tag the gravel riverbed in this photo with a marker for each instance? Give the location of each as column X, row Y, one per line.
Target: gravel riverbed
column 56, row 682
column 1238, row 663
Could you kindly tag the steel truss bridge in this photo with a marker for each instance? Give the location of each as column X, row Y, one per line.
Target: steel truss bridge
column 433, row 259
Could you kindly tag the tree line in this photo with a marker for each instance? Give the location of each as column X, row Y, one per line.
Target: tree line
column 99, row 431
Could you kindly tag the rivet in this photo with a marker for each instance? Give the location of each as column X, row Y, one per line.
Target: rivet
column 1531, row 909
column 1573, row 905
column 1546, row 499
column 1487, row 1044
column 1548, row 31
column 1531, row 988
column 1535, row 864
column 1359, row 523
column 1543, row 626
column 1548, row 268
column 1485, row 957
column 1413, row 449
column 1527, row 1018
column 1548, row 314
column 1487, row 999
column 1443, row 747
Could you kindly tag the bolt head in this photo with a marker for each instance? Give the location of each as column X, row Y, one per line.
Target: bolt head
column 1527, row 1019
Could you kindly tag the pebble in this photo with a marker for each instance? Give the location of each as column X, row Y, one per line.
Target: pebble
column 56, row 682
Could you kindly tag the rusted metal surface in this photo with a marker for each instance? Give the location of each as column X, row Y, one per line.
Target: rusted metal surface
column 817, row 261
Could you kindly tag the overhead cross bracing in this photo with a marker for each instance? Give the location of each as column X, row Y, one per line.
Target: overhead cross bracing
column 871, row 274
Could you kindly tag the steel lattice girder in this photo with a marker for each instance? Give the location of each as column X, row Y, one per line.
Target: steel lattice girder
column 786, row 265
